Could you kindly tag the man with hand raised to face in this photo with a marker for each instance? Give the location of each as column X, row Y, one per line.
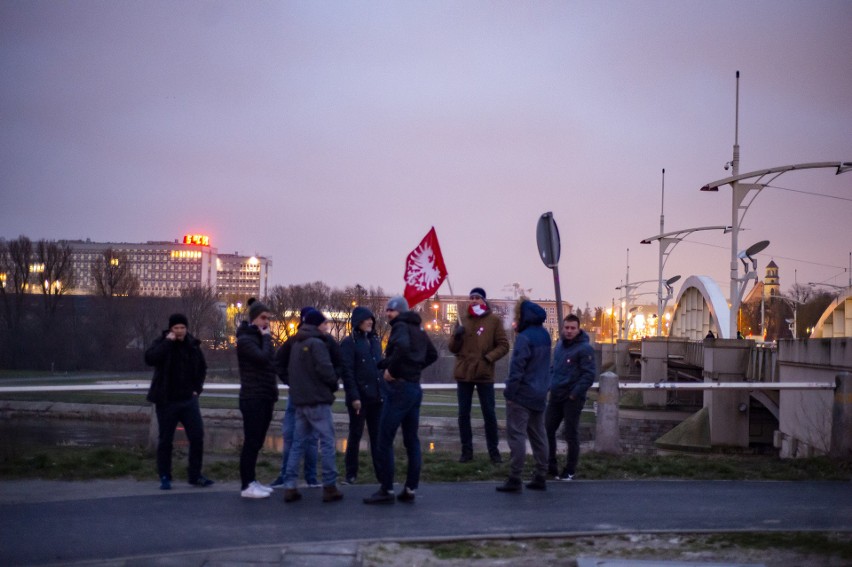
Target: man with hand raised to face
column 258, row 392
column 179, row 373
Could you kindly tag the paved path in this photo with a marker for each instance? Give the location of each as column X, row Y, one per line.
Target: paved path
column 129, row 523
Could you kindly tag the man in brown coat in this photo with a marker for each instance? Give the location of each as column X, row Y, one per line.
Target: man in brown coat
column 478, row 342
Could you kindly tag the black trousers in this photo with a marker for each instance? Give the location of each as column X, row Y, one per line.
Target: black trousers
column 188, row 413
column 369, row 415
column 257, row 414
column 568, row 411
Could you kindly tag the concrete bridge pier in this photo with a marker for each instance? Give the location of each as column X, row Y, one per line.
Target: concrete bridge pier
column 655, row 368
column 841, row 418
column 725, row 360
column 607, row 438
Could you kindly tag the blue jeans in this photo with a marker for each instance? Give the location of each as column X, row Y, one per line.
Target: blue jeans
column 288, row 425
column 464, row 393
column 401, row 408
column 312, row 421
column 169, row 414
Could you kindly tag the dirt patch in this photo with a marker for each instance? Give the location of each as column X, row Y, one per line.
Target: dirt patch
column 768, row 549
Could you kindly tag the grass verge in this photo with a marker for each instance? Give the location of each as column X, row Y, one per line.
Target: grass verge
column 80, row 463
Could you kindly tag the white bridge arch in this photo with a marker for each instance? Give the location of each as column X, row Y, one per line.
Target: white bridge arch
column 836, row 320
column 700, row 307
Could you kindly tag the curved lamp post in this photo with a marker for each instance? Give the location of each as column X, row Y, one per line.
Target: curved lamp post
column 744, row 194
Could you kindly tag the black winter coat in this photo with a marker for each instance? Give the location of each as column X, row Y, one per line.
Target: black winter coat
column 409, row 349
column 179, row 369
column 311, row 374
column 255, row 356
column 361, row 356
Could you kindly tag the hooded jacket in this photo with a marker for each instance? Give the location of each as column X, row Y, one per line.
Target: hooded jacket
column 361, row 353
column 312, row 378
column 409, row 349
column 479, row 347
column 254, row 357
column 529, row 378
column 573, row 370
column 179, row 369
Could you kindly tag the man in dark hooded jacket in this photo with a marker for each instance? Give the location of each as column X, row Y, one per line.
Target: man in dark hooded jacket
column 179, row 373
column 407, row 353
column 361, row 352
column 571, row 375
column 313, row 382
column 526, row 396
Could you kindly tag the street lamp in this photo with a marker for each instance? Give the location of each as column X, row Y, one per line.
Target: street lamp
column 742, row 191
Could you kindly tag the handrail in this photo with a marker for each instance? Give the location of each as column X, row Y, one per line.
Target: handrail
column 134, row 386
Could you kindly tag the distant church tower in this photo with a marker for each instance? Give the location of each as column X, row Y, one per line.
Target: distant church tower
column 771, row 283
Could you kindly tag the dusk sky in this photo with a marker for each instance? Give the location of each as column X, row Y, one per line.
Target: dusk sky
column 332, row 135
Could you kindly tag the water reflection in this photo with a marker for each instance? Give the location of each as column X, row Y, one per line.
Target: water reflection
column 17, row 434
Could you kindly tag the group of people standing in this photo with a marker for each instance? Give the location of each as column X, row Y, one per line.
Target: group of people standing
column 383, row 393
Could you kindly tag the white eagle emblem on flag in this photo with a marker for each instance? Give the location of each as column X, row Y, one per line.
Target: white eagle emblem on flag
column 421, row 271
column 424, row 269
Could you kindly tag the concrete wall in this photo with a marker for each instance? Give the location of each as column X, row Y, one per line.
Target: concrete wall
column 804, row 427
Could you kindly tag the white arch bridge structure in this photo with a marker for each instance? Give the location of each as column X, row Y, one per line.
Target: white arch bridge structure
column 701, row 307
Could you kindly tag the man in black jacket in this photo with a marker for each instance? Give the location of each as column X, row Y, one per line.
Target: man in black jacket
column 362, row 352
column 179, row 373
column 313, row 382
column 407, row 353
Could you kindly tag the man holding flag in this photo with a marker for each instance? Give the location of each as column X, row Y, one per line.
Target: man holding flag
column 407, row 353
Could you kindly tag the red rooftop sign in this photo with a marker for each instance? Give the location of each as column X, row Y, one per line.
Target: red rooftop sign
column 196, row 239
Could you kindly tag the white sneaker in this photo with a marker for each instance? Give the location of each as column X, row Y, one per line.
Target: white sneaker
column 255, row 491
column 263, row 487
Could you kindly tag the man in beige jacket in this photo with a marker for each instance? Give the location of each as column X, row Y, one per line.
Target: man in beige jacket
column 478, row 342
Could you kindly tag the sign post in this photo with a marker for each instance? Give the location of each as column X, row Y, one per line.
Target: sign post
column 549, row 248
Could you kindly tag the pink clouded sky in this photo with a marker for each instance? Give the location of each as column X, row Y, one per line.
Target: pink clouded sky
column 332, row 135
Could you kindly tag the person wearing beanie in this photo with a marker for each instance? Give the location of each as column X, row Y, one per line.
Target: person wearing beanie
column 526, row 396
column 313, row 381
column 288, row 423
column 258, row 393
column 407, row 353
column 179, row 373
column 362, row 351
column 398, row 304
column 479, row 341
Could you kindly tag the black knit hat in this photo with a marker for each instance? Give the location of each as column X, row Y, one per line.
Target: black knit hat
column 256, row 308
column 178, row 319
column 478, row 291
column 313, row 317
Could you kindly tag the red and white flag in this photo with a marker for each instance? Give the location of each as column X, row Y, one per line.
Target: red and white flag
column 424, row 270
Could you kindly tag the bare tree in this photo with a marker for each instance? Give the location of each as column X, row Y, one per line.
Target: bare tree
column 15, row 277
column 199, row 304
column 112, row 275
column 55, row 273
column 800, row 293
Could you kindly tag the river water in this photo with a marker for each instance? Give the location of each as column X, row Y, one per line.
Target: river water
column 18, row 434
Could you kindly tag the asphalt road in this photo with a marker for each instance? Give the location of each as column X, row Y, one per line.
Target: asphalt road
column 55, row 522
